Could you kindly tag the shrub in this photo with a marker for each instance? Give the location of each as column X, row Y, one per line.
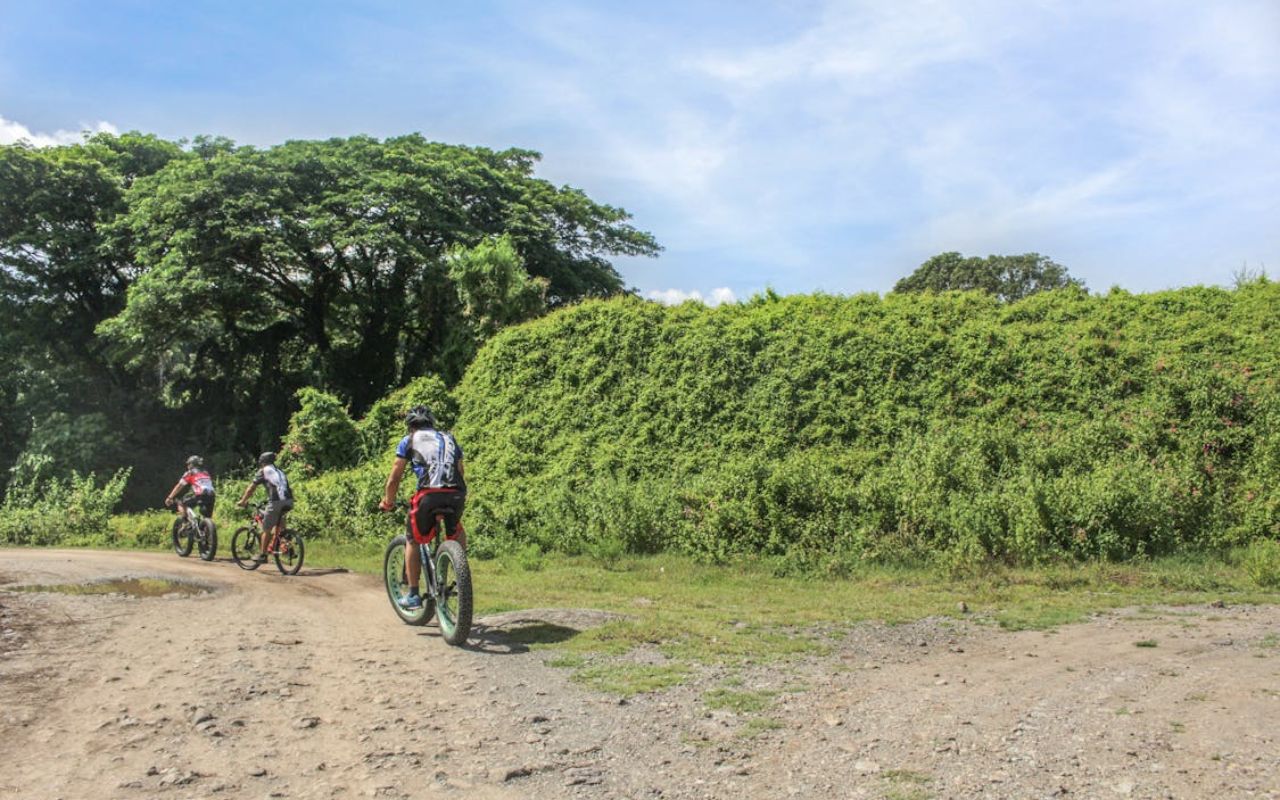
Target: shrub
column 1262, row 563
column 383, row 425
column 76, row 510
column 817, row 432
column 321, row 435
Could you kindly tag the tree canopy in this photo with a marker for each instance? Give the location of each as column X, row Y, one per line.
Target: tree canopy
column 205, row 283
column 1006, row 277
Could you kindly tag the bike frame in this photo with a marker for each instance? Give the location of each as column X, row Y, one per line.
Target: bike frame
column 427, row 547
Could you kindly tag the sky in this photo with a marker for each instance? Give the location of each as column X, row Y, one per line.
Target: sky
column 798, row 145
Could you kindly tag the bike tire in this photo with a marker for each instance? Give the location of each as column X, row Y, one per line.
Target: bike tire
column 208, row 541
column 453, row 607
column 245, row 547
column 290, row 551
column 393, row 573
column 183, row 538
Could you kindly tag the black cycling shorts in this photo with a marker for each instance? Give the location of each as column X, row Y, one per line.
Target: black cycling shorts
column 426, row 501
column 204, row 502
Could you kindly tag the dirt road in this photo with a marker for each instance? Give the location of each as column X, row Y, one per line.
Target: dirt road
column 308, row 687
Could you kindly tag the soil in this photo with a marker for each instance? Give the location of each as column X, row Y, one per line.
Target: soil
column 263, row 686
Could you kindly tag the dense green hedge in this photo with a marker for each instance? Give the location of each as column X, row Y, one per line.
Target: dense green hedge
column 822, row 430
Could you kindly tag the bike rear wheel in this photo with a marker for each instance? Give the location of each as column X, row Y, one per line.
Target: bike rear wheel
column 289, row 552
column 183, row 537
column 208, row 539
column 245, row 547
column 453, row 601
column 396, row 579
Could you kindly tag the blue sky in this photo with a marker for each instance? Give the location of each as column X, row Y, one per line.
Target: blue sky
column 799, row 144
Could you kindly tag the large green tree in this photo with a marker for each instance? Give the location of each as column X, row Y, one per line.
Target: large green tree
column 342, row 263
column 64, row 268
column 1007, row 277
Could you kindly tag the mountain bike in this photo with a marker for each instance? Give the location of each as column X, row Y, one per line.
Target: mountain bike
column 444, row 570
column 191, row 528
column 286, row 546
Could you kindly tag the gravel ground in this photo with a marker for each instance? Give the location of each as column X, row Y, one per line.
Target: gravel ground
column 308, row 687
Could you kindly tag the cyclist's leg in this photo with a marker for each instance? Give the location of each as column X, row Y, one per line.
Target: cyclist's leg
column 412, row 563
column 459, row 501
column 271, row 520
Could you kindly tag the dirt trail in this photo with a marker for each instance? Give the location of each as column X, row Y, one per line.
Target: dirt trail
column 308, row 687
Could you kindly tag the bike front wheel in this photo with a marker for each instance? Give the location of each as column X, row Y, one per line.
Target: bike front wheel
column 183, row 537
column 245, row 547
column 397, row 581
column 208, row 539
column 289, row 552
column 453, row 600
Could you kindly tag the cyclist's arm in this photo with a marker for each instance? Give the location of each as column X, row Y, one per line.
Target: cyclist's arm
column 393, row 484
column 461, row 474
column 248, row 490
column 177, row 487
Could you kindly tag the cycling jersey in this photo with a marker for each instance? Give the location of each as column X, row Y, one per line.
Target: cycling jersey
column 277, row 484
column 434, row 456
column 199, row 481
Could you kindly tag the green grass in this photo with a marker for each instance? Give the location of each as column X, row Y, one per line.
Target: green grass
column 1146, row 643
column 755, row 726
column 906, row 784
column 739, row 702
column 626, row 679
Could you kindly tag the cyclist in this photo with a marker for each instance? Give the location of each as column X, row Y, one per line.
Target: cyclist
column 279, row 499
column 436, row 459
column 201, row 485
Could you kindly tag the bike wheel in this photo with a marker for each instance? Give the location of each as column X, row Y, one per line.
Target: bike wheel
column 393, row 571
column 453, row 606
column 183, row 538
column 208, row 539
column 245, row 547
column 289, row 552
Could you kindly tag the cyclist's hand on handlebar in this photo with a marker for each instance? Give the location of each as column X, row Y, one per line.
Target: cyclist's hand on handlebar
column 168, row 502
column 242, row 504
column 386, row 505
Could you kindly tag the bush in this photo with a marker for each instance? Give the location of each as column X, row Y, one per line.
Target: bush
column 55, row 511
column 321, row 435
column 817, row 432
column 383, row 426
column 1262, row 563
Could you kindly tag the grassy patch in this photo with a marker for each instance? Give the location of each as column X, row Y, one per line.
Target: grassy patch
column 1146, row 643
column 624, row 679
column 738, row 702
column 758, row 725
column 906, row 784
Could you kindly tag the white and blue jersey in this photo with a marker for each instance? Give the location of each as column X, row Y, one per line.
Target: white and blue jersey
column 434, row 456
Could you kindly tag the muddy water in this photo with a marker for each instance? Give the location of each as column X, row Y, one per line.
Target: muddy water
column 130, row 587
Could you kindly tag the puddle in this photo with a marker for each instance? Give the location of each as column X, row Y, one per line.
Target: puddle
column 132, row 587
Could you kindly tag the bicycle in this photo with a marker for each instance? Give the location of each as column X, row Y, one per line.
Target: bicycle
column 191, row 528
column 445, row 570
column 286, row 547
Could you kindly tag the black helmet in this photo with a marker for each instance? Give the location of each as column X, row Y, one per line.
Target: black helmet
column 266, row 458
column 194, row 462
column 420, row 417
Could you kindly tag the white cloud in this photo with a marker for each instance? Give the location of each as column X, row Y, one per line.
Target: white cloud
column 674, row 297
column 13, row 132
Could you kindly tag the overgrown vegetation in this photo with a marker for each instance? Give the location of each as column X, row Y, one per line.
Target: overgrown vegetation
column 74, row 511
column 820, row 432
